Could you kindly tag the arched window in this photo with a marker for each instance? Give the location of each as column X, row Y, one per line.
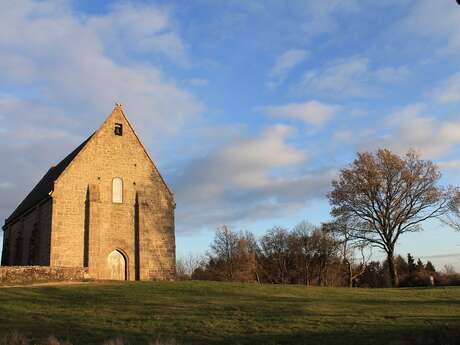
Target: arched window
column 117, row 190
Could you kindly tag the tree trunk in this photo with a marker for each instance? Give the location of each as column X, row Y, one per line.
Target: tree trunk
column 307, row 276
column 320, row 275
column 257, row 277
column 350, row 274
column 392, row 269
column 323, row 273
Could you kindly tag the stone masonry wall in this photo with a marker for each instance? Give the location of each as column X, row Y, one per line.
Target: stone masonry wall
column 27, row 240
column 32, row 274
column 87, row 226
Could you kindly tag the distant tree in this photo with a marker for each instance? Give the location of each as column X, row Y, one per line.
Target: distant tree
column 224, row 250
column 233, row 257
column 275, row 249
column 420, row 267
column 246, row 263
column 186, row 265
column 328, row 248
column 411, row 267
column 383, row 196
column 375, row 275
column 352, row 250
column 303, row 246
column 449, row 269
column 403, row 266
column 181, row 272
column 429, row 267
column 416, row 273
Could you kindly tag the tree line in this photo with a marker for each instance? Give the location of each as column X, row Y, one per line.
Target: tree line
column 306, row 254
column 374, row 201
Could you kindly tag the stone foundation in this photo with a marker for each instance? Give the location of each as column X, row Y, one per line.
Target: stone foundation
column 34, row 274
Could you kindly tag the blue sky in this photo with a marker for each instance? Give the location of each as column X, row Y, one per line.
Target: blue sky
column 248, row 108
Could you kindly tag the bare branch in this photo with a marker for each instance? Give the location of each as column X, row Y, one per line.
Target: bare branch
column 382, row 196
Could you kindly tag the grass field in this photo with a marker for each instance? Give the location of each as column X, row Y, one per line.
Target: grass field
column 224, row 313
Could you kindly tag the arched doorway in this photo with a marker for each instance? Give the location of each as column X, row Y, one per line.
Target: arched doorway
column 117, row 265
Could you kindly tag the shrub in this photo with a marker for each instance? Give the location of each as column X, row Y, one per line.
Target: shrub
column 449, row 280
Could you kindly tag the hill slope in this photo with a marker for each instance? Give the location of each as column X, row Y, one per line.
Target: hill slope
column 223, row 313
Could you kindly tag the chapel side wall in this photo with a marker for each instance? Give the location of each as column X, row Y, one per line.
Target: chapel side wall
column 83, row 202
column 27, row 237
column 30, row 221
column 15, row 230
column 6, row 246
column 45, row 233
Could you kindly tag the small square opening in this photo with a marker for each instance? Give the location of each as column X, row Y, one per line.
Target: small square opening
column 118, row 129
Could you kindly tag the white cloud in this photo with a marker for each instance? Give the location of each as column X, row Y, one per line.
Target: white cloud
column 284, row 64
column 351, row 77
column 248, row 179
column 34, row 137
column 449, row 165
column 68, row 62
column 408, row 128
column 344, row 135
column 131, row 26
column 437, row 20
column 312, row 112
column 392, row 74
column 448, row 90
column 66, row 71
column 345, row 77
column 252, row 160
column 321, row 16
column 247, row 163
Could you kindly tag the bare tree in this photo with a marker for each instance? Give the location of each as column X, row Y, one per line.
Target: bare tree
column 181, row 272
column 449, row 269
column 303, row 248
column 275, row 248
column 186, row 265
column 326, row 251
column 382, row 196
column 453, row 218
column 225, row 248
column 355, row 253
column 246, row 264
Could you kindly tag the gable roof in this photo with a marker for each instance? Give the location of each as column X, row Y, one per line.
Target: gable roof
column 43, row 188
column 118, row 109
column 118, row 106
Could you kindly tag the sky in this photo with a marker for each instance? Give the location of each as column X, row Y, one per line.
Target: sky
column 249, row 109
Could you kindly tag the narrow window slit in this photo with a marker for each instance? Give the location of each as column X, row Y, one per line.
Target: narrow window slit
column 117, row 190
column 118, row 129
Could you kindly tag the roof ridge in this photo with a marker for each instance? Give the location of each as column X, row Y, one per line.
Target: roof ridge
column 46, row 184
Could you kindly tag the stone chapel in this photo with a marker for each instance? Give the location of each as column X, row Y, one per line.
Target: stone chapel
column 104, row 207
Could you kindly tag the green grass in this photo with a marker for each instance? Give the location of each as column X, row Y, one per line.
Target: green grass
column 224, row 313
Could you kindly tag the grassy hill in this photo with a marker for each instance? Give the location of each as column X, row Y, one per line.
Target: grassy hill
column 224, row 313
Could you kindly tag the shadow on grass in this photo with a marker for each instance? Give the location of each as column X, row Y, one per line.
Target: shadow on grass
column 445, row 336
column 224, row 314
column 409, row 337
